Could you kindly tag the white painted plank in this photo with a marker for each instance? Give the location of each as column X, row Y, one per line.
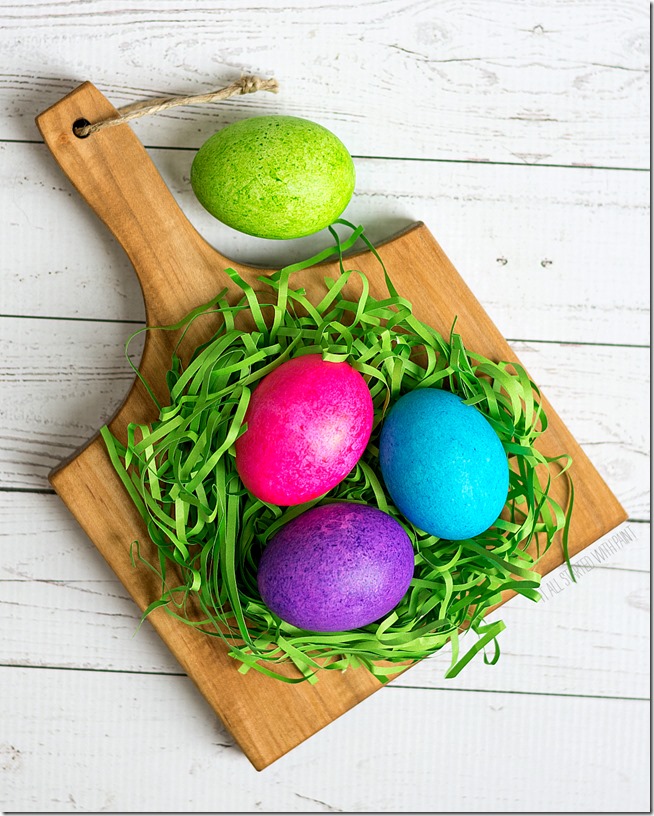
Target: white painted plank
column 616, row 438
column 94, row 741
column 541, row 248
column 41, row 541
column 591, row 639
column 76, row 383
column 63, row 379
column 61, row 605
column 564, row 83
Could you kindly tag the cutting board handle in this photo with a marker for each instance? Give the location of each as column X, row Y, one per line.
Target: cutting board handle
column 114, row 174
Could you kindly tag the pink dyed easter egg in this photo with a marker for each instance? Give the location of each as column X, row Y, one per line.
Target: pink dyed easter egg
column 308, row 422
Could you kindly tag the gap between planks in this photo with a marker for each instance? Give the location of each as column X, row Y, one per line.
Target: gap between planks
column 142, row 324
column 580, row 696
column 488, row 162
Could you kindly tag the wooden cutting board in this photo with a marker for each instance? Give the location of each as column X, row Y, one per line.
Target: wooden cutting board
column 178, row 270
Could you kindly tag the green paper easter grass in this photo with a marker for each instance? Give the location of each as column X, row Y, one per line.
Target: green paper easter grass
column 180, row 474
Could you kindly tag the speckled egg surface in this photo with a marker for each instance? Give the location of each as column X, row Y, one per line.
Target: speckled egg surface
column 274, row 176
column 443, row 464
column 336, row 567
column 308, row 422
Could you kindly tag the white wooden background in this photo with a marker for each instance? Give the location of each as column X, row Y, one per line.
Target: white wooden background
column 518, row 132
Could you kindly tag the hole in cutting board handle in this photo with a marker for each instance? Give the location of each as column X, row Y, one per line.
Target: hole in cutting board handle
column 78, row 124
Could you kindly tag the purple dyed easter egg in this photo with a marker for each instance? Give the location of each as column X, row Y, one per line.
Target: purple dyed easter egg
column 336, row 567
column 308, row 422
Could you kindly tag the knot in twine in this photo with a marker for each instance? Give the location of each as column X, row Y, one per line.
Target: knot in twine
column 244, row 85
column 251, row 84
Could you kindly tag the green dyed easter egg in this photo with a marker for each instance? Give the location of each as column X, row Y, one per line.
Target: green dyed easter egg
column 274, row 176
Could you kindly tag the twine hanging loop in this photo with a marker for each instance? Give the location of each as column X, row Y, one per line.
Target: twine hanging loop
column 244, row 85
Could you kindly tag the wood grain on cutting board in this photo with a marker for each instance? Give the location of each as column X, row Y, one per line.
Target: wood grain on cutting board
column 178, row 270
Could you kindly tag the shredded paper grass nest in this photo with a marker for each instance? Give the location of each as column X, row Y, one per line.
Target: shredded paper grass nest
column 180, row 474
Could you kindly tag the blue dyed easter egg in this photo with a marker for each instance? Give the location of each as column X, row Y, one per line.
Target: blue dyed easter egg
column 443, row 464
column 336, row 567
